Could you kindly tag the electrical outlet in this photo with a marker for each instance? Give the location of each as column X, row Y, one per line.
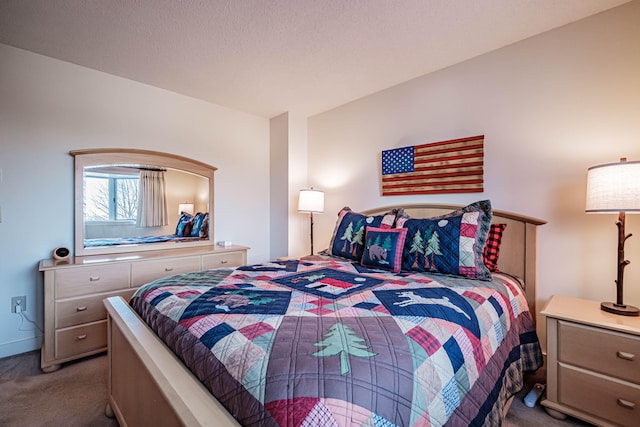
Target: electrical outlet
column 18, row 301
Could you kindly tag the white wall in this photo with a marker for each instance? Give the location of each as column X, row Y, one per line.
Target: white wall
column 49, row 107
column 279, row 175
column 288, row 162
column 299, row 237
column 549, row 107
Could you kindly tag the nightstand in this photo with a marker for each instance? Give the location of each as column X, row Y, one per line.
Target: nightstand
column 593, row 363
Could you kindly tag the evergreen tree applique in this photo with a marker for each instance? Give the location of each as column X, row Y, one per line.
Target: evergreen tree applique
column 416, row 248
column 387, row 245
column 358, row 238
column 347, row 236
column 432, row 248
column 354, row 236
column 342, row 340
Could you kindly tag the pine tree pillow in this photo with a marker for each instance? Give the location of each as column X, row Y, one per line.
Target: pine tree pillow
column 448, row 244
column 348, row 237
column 383, row 248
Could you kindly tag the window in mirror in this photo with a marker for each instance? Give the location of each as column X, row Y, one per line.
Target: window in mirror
column 111, row 195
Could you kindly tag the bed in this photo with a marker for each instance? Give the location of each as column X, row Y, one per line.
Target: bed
column 139, row 240
column 190, row 228
column 376, row 336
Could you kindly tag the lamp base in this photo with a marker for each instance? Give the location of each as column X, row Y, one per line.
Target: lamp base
column 621, row 309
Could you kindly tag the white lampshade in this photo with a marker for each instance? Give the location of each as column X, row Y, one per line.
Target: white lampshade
column 311, row 201
column 614, row 187
column 185, row 207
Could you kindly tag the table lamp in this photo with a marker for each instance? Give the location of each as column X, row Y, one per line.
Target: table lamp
column 311, row 201
column 185, row 207
column 615, row 187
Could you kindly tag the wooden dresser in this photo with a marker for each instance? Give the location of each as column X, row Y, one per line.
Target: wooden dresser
column 593, row 363
column 75, row 322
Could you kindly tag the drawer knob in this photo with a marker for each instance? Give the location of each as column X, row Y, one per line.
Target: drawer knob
column 626, row 356
column 94, row 278
column 168, row 269
column 84, row 308
column 224, row 261
column 626, row 404
column 81, row 337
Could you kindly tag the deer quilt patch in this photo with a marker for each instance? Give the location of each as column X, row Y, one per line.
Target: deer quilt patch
column 439, row 303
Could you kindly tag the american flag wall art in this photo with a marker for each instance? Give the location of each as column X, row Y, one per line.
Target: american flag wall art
column 455, row 166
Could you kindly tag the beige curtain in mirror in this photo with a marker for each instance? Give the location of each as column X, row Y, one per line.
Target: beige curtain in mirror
column 152, row 205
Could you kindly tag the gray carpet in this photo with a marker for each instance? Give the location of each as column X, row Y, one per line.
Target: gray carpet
column 521, row 415
column 76, row 396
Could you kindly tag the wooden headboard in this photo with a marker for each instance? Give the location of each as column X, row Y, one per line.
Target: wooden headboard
column 518, row 249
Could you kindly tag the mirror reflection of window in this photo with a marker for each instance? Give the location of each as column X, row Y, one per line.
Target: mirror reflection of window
column 111, row 196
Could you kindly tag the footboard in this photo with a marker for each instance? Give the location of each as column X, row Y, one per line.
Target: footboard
column 148, row 384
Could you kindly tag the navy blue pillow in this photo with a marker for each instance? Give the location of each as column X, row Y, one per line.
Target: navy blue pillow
column 182, row 224
column 448, row 244
column 383, row 248
column 348, row 237
column 200, row 222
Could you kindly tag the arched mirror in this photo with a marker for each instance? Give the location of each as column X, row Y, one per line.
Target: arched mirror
column 129, row 200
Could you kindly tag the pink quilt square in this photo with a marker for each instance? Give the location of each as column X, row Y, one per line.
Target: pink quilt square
column 256, row 330
column 468, row 230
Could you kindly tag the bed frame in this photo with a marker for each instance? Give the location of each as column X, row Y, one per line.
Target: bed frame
column 149, row 385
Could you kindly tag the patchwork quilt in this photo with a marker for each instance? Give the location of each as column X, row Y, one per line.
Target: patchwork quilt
column 323, row 341
column 115, row 241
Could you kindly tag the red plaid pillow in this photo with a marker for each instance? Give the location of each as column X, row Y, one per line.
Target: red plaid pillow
column 492, row 246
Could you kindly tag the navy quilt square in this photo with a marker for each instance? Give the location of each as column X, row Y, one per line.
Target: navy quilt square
column 440, row 303
column 328, row 283
column 383, row 248
column 238, row 301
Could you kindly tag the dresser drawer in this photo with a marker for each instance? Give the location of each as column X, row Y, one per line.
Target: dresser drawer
column 600, row 350
column 146, row 271
column 610, row 399
column 226, row 259
column 74, row 311
column 81, row 281
column 81, row 339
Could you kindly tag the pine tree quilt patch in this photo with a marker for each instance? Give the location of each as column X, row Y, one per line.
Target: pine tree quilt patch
column 324, row 341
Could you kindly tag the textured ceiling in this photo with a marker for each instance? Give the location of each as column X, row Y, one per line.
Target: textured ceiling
column 266, row 57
